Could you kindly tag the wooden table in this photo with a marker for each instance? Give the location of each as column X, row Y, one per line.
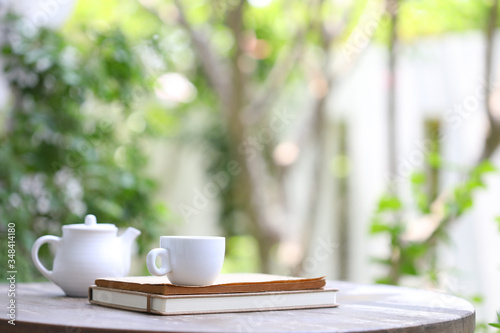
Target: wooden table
column 41, row 307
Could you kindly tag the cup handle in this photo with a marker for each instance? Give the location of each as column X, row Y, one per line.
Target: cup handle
column 165, row 262
column 34, row 253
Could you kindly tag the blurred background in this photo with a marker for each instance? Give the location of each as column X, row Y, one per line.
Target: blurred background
column 355, row 139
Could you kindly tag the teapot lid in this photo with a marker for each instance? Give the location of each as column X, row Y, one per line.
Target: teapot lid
column 91, row 224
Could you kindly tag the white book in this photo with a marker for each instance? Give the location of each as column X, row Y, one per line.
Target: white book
column 212, row 303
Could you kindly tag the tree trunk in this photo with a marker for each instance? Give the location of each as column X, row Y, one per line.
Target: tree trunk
column 493, row 137
column 252, row 203
column 392, row 9
column 342, row 205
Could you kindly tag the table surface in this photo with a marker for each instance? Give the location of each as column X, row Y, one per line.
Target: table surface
column 42, row 307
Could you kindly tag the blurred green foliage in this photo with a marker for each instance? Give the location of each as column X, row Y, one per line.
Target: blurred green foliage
column 72, row 139
column 496, row 325
column 430, row 18
column 241, row 255
column 409, row 257
column 74, row 136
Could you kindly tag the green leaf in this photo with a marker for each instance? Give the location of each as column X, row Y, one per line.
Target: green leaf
column 422, row 200
column 434, row 160
column 497, row 325
column 418, row 178
column 497, row 219
column 475, row 184
column 384, row 280
column 416, row 250
column 389, row 203
column 378, row 227
column 485, row 167
column 478, row 299
column 396, row 231
column 409, row 267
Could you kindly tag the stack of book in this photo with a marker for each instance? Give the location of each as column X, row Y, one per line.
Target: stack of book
column 230, row 293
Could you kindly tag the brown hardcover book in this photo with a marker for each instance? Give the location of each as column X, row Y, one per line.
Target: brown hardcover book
column 225, row 284
column 212, row 303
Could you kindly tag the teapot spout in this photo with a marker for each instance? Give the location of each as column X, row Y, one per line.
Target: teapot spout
column 127, row 238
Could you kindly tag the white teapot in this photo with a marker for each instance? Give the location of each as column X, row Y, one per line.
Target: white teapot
column 86, row 252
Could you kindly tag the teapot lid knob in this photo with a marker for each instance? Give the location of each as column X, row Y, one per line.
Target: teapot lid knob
column 90, row 220
column 90, row 225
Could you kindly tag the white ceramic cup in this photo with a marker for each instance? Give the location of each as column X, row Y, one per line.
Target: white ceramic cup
column 188, row 260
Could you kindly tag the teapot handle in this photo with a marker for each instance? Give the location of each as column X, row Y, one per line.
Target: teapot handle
column 34, row 254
